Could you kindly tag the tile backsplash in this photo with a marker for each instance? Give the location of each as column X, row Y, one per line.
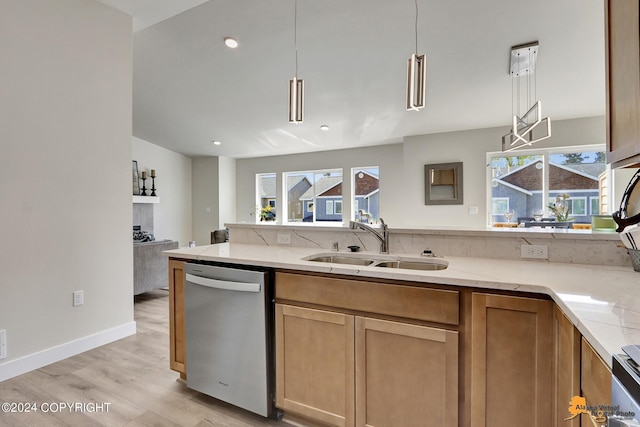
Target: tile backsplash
column 563, row 247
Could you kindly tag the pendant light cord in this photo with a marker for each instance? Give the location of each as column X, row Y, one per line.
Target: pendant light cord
column 416, row 1
column 295, row 32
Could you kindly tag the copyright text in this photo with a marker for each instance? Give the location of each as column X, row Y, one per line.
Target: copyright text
column 55, row 407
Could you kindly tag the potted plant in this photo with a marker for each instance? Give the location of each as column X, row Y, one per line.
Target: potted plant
column 267, row 214
column 560, row 208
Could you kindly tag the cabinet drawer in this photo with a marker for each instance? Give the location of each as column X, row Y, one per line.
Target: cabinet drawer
column 410, row 302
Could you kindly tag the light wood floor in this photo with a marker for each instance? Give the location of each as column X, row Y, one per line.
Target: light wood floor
column 132, row 375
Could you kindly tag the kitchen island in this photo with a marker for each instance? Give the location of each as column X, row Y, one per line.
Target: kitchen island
column 571, row 302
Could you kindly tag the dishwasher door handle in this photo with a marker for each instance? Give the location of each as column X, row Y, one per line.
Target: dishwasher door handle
column 223, row 284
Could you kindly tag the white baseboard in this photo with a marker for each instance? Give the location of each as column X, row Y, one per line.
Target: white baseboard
column 34, row 361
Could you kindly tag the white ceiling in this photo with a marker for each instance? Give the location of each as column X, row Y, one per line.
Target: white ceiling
column 189, row 89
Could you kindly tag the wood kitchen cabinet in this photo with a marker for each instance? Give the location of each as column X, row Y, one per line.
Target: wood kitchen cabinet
column 177, row 346
column 367, row 352
column 314, row 364
column 595, row 379
column 566, row 367
column 342, row 366
column 511, row 361
column 406, row 375
column 622, row 61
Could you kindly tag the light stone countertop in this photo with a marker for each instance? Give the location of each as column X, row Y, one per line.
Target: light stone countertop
column 602, row 301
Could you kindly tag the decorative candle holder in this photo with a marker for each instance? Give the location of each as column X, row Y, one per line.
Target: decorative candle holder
column 153, row 185
column 144, row 189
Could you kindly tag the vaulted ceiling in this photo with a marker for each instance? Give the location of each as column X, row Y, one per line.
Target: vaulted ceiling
column 190, row 89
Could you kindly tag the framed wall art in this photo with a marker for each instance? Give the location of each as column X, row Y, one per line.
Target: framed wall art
column 443, row 184
column 136, row 179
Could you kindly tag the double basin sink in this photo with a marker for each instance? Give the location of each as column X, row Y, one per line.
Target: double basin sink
column 426, row 263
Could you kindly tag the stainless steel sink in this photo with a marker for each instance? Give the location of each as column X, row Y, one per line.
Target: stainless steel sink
column 339, row 259
column 426, row 264
column 430, row 265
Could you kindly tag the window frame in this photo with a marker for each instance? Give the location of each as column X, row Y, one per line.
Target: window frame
column 355, row 204
column 545, row 153
column 309, row 204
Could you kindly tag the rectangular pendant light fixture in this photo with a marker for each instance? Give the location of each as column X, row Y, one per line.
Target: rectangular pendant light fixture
column 296, row 100
column 531, row 127
column 416, row 81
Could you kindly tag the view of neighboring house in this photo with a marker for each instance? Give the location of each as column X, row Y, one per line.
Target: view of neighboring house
column 296, row 186
column 327, row 203
column 367, row 193
column 325, row 198
column 521, row 189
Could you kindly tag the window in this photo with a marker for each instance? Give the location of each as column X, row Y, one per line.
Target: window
column 499, row 205
column 516, row 184
column 266, row 197
column 527, row 179
column 314, row 196
column 329, row 207
column 577, row 206
column 365, row 190
column 595, row 205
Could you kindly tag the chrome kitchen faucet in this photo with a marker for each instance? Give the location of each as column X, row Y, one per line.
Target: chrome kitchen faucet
column 382, row 235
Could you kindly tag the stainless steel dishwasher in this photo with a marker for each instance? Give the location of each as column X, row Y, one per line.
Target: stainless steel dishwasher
column 228, row 321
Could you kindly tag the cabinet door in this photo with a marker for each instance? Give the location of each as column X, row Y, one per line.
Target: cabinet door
column 596, row 377
column 177, row 353
column 406, row 375
column 511, row 361
column 566, row 368
column 623, row 82
column 314, row 364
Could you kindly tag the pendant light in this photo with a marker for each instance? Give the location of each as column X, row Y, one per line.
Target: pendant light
column 416, row 76
column 522, row 67
column 296, row 85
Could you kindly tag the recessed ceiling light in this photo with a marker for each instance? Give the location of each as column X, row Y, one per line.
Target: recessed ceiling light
column 231, row 42
column 216, row 142
column 324, row 127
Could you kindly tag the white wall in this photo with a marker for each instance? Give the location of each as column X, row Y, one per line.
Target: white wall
column 471, row 147
column 205, row 198
column 172, row 216
column 65, row 178
column 227, row 190
column 402, row 171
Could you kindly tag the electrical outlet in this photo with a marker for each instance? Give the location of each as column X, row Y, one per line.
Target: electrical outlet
column 534, row 251
column 78, row 298
column 473, row 210
column 284, row 238
column 3, row 344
